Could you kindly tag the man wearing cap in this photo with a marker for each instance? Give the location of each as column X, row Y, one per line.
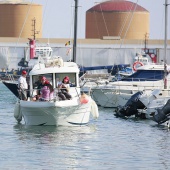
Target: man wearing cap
column 22, row 85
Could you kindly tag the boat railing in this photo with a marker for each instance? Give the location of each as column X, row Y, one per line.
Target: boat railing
column 140, row 81
column 95, row 79
column 136, row 86
column 33, row 94
column 155, row 78
column 9, row 77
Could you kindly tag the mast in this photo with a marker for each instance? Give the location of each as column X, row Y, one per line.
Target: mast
column 75, row 31
column 165, row 44
column 32, row 41
column 34, row 32
column 146, row 41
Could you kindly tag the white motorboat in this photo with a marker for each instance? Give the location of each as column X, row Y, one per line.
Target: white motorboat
column 56, row 112
column 154, row 105
column 114, row 94
column 153, row 101
column 73, row 112
column 139, row 102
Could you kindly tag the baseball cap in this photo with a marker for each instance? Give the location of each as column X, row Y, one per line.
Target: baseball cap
column 24, row 72
column 66, row 78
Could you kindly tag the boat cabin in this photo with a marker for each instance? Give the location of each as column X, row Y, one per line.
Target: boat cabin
column 54, row 75
column 145, row 59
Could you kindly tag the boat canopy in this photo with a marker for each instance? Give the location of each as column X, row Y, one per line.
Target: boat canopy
column 146, row 75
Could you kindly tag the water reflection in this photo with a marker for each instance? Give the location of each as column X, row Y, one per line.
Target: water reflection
column 53, row 133
column 56, row 146
column 111, row 143
column 160, row 127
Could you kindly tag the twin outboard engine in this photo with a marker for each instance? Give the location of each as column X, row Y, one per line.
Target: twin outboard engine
column 163, row 114
column 130, row 108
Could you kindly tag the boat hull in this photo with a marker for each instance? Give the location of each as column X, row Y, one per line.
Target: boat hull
column 55, row 113
column 118, row 93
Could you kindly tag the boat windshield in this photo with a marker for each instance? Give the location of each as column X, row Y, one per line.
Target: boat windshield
column 145, row 75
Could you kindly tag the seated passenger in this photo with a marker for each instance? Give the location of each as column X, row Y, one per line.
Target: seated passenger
column 46, row 92
column 64, row 89
column 51, row 96
column 40, row 84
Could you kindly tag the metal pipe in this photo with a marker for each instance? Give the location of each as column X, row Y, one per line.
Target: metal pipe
column 165, row 44
column 75, row 31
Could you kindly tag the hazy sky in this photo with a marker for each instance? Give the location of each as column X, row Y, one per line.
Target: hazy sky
column 58, row 17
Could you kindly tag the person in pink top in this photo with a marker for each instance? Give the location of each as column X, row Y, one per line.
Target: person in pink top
column 51, row 95
column 46, row 92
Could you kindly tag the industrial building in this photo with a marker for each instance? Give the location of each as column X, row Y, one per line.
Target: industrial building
column 115, row 32
column 117, row 18
column 18, row 19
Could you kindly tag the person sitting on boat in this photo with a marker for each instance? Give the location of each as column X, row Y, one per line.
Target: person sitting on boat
column 23, row 86
column 38, row 82
column 48, row 84
column 41, row 84
column 38, row 85
column 47, row 92
column 64, row 86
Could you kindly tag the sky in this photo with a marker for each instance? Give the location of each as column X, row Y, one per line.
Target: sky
column 58, row 17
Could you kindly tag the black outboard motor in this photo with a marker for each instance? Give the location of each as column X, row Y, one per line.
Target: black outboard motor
column 130, row 108
column 163, row 114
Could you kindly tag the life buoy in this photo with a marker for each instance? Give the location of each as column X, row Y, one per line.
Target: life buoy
column 137, row 63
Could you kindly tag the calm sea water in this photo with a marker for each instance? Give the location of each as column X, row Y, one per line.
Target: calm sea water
column 105, row 144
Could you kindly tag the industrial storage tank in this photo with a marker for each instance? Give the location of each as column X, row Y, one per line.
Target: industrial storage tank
column 117, row 19
column 20, row 19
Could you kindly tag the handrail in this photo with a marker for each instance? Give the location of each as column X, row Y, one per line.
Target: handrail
column 55, row 95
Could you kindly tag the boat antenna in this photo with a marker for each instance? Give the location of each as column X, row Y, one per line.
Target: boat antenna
column 32, row 41
column 146, row 42
column 165, row 44
column 34, row 32
column 75, row 30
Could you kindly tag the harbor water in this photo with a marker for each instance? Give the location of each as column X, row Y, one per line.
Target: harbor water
column 105, row 144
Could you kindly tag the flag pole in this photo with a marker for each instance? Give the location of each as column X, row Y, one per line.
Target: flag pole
column 165, row 45
column 75, row 31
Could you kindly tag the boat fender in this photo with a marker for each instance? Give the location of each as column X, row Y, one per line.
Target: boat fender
column 94, row 109
column 137, row 63
column 84, row 99
column 17, row 112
